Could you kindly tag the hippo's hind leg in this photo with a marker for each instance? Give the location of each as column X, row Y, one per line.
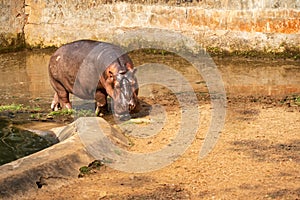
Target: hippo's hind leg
column 61, row 97
column 101, row 103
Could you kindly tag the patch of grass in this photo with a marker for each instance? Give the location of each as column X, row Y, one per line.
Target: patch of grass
column 37, row 109
column 12, row 107
column 62, row 112
column 85, row 113
column 37, row 116
column 68, row 112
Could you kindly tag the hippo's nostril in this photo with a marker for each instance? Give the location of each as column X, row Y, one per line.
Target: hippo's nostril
column 131, row 107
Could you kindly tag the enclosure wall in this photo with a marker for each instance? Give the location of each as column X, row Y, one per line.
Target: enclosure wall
column 223, row 25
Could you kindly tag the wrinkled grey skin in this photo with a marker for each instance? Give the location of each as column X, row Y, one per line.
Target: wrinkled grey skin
column 93, row 70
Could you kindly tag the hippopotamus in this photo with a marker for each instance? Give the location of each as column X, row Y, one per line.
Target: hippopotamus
column 92, row 69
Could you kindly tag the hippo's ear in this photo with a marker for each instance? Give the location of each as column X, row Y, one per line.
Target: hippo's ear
column 110, row 72
column 108, row 76
column 129, row 66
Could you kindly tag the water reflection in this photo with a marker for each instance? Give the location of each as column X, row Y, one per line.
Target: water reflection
column 241, row 76
column 258, row 77
column 25, row 75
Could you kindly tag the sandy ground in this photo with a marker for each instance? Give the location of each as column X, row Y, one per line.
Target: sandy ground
column 257, row 156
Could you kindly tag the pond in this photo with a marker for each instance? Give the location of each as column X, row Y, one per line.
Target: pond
column 24, row 80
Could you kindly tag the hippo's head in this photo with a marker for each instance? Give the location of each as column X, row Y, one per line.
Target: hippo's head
column 121, row 85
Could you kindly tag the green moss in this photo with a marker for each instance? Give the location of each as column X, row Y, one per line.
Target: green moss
column 40, row 46
column 11, row 42
column 215, row 51
column 154, row 51
column 288, row 53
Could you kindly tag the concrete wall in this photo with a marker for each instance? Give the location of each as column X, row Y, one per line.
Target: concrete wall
column 12, row 21
column 219, row 25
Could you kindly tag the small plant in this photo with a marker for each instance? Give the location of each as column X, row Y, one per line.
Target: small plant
column 91, row 168
column 84, row 170
column 297, row 100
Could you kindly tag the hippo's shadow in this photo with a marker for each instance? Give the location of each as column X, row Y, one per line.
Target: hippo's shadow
column 88, row 107
column 144, row 110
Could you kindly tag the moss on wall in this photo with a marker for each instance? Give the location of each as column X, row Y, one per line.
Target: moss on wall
column 11, row 42
column 12, row 23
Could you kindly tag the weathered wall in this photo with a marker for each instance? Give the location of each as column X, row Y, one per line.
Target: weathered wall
column 222, row 25
column 12, row 21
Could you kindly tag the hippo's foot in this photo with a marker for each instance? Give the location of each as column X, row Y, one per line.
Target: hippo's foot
column 55, row 106
column 98, row 112
column 100, row 109
column 60, row 102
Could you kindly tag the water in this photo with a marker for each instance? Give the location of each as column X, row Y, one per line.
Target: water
column 24, row 78
column 16, row 143
column 24, row 75
column 248, row 77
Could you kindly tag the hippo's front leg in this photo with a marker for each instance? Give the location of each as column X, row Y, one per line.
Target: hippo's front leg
column 101, row 102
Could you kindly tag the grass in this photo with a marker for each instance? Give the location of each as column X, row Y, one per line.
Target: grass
column 13, row 107
column 137, row 121
column 62, row 112
column 18, row 107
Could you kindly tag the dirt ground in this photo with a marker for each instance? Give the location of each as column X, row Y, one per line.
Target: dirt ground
column 257, row 156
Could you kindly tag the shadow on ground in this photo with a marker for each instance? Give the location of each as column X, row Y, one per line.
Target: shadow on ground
column 266, row 151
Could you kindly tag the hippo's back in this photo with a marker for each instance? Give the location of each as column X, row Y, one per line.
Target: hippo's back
column 67, row 59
